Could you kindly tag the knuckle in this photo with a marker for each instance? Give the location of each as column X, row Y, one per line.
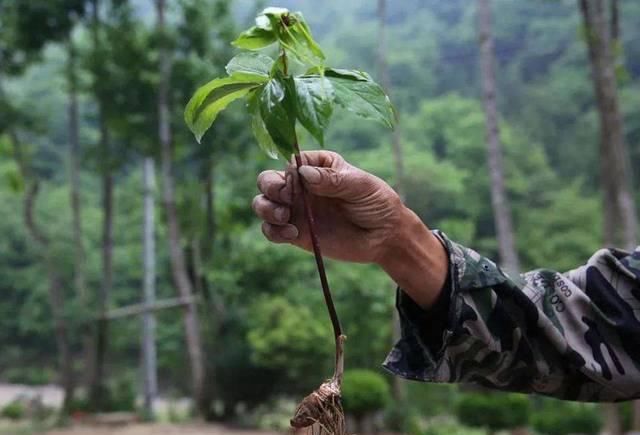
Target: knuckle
column 267, row 230
column 256, row 201
column 335, row 177
column 261, row 179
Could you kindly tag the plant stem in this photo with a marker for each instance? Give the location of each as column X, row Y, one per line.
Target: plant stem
column 335, row 322
column 317, row 253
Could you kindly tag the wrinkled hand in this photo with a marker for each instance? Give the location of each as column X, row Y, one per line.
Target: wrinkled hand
column 358, row 218
column 356, row 213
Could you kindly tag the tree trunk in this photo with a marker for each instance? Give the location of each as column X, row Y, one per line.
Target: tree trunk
column 76, row 215
column 74, row 178
column 499, row 200
column 178, row 264
column 620, row 223
column 97, row 377
column 55, row 287
column 398, row 385
column 149, row 364
column 209, row 196
column 620, row 220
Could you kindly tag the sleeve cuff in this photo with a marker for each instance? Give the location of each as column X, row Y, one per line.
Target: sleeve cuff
column 424, row 333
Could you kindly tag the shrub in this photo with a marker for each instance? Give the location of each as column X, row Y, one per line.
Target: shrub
column 559, row 418
column 122, row 396
column 494, row 411
column 274, row 415
column 117, row 396
column 447, row 426
column 28, row 376
column 364, row 392
column 14, row 410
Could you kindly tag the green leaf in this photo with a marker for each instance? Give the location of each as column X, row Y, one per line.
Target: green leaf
column 210, row 99
column 278, row 116
column 259, row 130
column 255, row 38
column 314, row 104
column 305, row 31
column 351, row 74
column 250, row 64
column 357, row 93
column 294, row 34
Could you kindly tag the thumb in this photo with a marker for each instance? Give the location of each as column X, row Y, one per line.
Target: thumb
column 330, row 182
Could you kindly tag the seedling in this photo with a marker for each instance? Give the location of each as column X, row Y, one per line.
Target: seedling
column 289, row 87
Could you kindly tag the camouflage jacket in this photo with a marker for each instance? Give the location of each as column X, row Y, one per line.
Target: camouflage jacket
column 573, row 335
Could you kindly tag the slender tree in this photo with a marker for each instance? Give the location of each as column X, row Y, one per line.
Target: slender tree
column 79, row 279
column 55, row 283
column 74, row 174
column 499, row 199
column 620, row 219
column 148, row 319
column 399, row 390
column 97, row 374
column 178, row 263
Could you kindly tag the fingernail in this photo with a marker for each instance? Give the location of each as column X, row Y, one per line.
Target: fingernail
column 289, row 233
column 280, row 214
column 310, row 174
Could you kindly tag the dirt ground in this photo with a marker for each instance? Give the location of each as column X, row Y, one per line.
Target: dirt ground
column 157, row 429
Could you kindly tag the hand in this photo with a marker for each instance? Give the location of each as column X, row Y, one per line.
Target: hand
column 358, row 218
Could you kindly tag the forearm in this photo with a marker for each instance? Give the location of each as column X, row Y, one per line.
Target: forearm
column 416, row 260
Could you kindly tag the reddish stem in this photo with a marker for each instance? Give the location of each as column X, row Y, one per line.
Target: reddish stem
column 337, row 329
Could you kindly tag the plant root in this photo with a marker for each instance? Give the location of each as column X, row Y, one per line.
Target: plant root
column 321, row 412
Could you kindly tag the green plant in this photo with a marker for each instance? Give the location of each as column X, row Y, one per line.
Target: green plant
column 494, row 411
column 364, row 392
column 446, row 426
column 558, row 418
column 29, row 375
column 274, row 415
column 293, row 87
column 117, row 396
column 14, row 410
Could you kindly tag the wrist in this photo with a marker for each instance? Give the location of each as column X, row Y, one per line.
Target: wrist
column 416, row 260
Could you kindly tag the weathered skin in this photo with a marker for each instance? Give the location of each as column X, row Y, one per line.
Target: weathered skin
column 359, row 218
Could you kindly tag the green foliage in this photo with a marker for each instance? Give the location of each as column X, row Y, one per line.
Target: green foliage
column 314, row 103
column 288, row 337
column 14, row 410
column 445, row 426
column 358, row 93
column 560, row 418
column 274, row 415
column 213, row 97
column 364, row 392
column 28, row 375
column 277, row 99
column 119, row 395
column 494, row 411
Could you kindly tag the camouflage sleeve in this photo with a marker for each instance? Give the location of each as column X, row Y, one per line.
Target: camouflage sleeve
column 573, row 336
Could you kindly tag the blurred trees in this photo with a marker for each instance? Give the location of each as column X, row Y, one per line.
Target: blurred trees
column 260, row 314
